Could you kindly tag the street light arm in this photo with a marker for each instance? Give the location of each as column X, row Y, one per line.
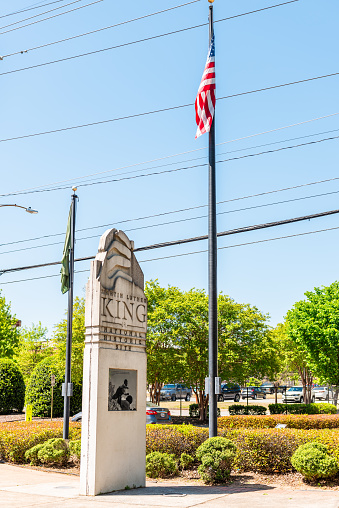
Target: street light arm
column 29, row 209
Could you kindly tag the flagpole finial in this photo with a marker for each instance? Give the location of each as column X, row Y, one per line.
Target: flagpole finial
column 211, row 1
column 74, row 188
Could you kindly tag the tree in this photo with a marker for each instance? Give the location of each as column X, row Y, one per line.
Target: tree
column 313, row 324
column 177, row 339
column 294, row 359
column 33, row 347
column 12, row 387
column 78, row 340
column 9, row 336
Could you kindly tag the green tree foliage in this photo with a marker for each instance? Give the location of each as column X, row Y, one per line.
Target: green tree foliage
column 177, row 339
column 313, row 324
column 12, row 387
column 293, row 357
column 39, row 392
column 33, row 347
column 9, row 336
column 78, row 340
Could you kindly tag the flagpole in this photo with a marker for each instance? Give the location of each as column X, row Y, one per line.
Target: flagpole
column 68, row 386
column 212, row 271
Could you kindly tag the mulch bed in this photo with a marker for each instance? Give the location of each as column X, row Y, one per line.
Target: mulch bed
column 187, row 420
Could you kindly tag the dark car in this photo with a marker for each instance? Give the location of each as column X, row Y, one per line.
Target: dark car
column 154, row 414
column 230, row 391
column 269, row 387
column 253, row 392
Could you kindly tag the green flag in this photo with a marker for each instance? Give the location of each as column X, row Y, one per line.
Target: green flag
column 65, row 257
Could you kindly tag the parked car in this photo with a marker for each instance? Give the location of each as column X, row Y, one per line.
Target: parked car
column 157, row 414
column 154, row 414
column 322, row 393
column 295, row 394
column 230, row 391
column 268, row 387
column 253, row 392
column 175, row 391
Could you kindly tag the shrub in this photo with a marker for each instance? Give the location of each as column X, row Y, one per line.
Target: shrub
column 38, row 392
column 297, row 409
column 194, row 411
column 186, row 460
column 313, row 461
column 240, row 409
column 75, row 449
column 12, row 387
column 53, row 451
column 18, row 437
column 161, row 465
column 292, row 421
column 174, row 439
column 216, row 455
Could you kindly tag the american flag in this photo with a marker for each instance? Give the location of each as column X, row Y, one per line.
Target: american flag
column 205, row 101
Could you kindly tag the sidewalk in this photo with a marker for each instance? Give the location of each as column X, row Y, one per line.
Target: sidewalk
column 26, row 488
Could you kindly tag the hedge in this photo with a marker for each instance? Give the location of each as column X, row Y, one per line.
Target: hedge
column 302, row 409
column 292, row 421
column 259, row 450
column 38, row 391
column 240, row 409
column 12, row 387
column 18, row 437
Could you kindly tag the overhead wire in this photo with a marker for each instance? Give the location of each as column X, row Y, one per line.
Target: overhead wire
column 30, row 8
column 99, row 29
column 162, row 110
column 40, row 14
column 50, row 17
column 157, row 173
column 186, row 219
column 173, row 32
column 189, row 253
column 173, row 243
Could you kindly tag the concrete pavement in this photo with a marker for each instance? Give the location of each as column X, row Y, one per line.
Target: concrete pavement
column 26, row 488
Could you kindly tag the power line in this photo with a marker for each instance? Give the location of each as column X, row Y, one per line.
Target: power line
column 49, row 17
column 226, row 247
column 41, row 14
column 137, row 115
column 189, row 253
column 186, row 219
column 185, row 153
column 30, row 9
column 131, row 42
column 190, row 240
column 98, row 30
column 156, row 173
column 284, row 189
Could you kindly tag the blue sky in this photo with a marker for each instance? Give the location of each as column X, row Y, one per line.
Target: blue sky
column 280, row 45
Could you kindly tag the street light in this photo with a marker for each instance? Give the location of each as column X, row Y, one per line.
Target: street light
column 28, row 210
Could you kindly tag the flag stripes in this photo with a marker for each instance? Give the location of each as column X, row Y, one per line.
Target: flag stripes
column 205, row 101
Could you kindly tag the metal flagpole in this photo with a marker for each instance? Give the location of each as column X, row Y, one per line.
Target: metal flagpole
column 67, row 388
column 212, row 272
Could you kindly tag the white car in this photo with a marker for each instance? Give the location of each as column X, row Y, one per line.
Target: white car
column 322, row 393
column 295, row 394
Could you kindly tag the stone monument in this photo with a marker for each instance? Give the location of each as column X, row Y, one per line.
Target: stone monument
column 113, row 438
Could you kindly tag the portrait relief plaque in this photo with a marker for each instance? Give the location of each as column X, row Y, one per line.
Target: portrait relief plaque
column 122, row 390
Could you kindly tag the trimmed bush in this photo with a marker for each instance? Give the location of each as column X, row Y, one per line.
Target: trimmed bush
column 38, row 391
column 241, row 409
column 269, row 422
column 12, row 387
column 313, row 461
column 216, row 455
column 53, row 451
column 194, row 411
column 161, row 465
column 18, row 437
column 186, row 460
column 302, row 409
column 174, row 439
column 75, row 449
